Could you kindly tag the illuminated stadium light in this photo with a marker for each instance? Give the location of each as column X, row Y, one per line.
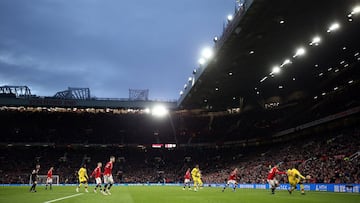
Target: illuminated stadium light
column 230, row 73
column 287, row 61
column 316, row 65
column 215, row 39
column 202, row 61
column 230, row 17
column 275, row 70
column 356, row 54
column 315, row 41
column 333, row 27
column 342, row 62
column 251, row 52
column 216, row 89
column 207, row 53
column 159, row 111
column 321, row 74
column 355, row 10
column 263, row 79
column 336, row 70
column 185, row 86
column 293, row 79
column 281, row 21
column 257, row 92
column 323, row 94
column 194, row 71
column 336, row 88
column 299, row 52
column 147, row 110
column 205, row 100
column 315, row 97
column 181, row 93
column 190, row 79
column 350, row 81
column 344, row 48
column 280, row 86
column 346, row 65
column 329, row 69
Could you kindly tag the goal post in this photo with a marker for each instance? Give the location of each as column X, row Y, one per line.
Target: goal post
column 42, row 179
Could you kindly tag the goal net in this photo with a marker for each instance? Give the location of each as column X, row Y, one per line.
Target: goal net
column 42, row 179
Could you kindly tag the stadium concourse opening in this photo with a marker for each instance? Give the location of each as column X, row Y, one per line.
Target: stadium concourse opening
column 273, row 105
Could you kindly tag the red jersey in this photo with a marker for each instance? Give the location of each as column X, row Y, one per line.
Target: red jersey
column 273, row 172
column 49, row 174
column 108, row 168
column 187, row 175
column 232, row 176
column 96, row 173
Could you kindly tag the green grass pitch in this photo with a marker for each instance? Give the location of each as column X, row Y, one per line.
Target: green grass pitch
column 173, row 194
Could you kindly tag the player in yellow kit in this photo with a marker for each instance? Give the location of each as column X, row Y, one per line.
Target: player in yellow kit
column 83, row 178
column 196, row 176
column 295, row 177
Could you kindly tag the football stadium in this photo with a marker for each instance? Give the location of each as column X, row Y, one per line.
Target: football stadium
column 270, row 113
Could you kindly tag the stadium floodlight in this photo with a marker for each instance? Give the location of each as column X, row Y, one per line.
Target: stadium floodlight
column 230, row 17
column 286, row 61
column 315, row 41
column 190, row 79
column 202, row 61
column 159, row 111
column 207, row 53
column 262, row 80
column 275, row 70
column 181, row 92
column 215, row 39
column 299, row 52
column 333, row 27
column 147, row 110
column 355, row 10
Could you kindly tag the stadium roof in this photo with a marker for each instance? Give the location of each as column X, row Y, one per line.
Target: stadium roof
column 269, row 33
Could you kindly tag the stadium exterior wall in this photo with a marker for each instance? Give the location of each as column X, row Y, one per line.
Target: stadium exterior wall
column 344, row 188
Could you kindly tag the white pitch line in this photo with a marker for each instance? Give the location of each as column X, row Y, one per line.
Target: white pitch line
column 67, row 197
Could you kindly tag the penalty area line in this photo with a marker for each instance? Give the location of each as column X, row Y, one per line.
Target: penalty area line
column 66, row 197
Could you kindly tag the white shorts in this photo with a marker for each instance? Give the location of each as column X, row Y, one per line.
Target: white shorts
column 49, row 180
column 273, row 182
column 187, row 180
column 231, row 182
column 108, row 179
column 98, row 180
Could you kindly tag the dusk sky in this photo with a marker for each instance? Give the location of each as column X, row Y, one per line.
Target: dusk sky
column 106, row 45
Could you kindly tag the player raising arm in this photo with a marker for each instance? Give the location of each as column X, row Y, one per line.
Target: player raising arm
column 187, row 179
column 271, row 179
column 49, row 178
column 108, row 178
column 83, row 178
column 295, row 177
column 231, row 180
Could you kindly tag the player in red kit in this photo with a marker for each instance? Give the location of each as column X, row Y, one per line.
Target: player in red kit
column 187, row 179
column 97, row 175
column 231, row 180
column 108, row 178
column 49, row 179
column 271, row 179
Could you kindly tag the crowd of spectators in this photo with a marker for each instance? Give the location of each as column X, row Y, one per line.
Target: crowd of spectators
column 331, row 158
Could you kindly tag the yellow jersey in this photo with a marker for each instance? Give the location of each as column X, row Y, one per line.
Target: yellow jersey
column 82, row 173
column 195, row 173
column 294, row 174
